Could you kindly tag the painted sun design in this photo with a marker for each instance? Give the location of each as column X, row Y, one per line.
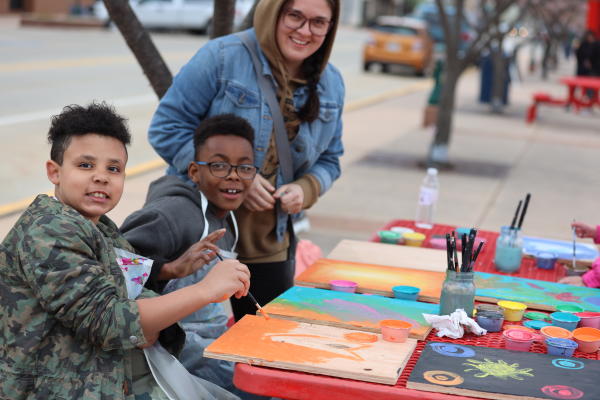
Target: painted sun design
column 499, row 369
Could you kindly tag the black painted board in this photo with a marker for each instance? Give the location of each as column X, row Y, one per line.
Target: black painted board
column 504, row 374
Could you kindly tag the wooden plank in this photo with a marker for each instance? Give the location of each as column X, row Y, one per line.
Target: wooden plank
column 349, row 310
column 503, row 374
column 376, row 279
column 316, row 349
column 391, row 255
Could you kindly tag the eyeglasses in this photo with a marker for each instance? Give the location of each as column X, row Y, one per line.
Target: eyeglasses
column 294, row 19
column 221, row 169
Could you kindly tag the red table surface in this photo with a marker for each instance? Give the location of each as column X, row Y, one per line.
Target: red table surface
column 485, row 260
column 304, row 386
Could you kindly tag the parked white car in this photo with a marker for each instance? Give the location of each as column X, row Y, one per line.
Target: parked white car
column 175, row 14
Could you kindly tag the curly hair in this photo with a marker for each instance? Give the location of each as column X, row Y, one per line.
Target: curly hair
column 76, row 120
column 223, row 124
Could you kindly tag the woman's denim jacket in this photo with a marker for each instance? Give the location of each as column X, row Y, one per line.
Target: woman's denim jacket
column 220, row 79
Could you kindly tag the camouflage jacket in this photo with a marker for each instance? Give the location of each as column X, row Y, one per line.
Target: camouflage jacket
column 67, row 329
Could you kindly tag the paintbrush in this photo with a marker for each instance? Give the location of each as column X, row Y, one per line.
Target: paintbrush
column 524, row 210
column 449, row 252
column 574, row 255
column 455, row 253
column 514, row 221
column 463, row 242
column 260, row 309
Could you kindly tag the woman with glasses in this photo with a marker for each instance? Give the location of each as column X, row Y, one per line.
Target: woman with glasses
column 292, row 41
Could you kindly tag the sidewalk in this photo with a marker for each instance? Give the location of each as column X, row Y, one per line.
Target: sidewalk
column 497, row 158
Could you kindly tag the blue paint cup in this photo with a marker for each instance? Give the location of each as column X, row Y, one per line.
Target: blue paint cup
column 565, row 320
column 560, row 347
column 491, row 321
column 406, row 292
column 545, row 259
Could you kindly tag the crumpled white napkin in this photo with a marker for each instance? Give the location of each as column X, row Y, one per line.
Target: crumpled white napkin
column 452, row 325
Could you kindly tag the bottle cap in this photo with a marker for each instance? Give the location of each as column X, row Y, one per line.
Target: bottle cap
column 432, row 171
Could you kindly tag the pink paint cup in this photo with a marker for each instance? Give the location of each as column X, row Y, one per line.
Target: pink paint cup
column 343, row 286
column 589, row 319
column 588, row 339
column 519, row 340
column 395, row 330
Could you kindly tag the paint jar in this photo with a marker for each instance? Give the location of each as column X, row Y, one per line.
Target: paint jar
column 414, row 239
column 395, row 330
column 589, row 319
column 389, row 237
column 519, row 340
column 538, row 316
column 491, row 321
column 458, row 291
column 588, row 339
column 537, row 325
column 565, row 320
column 509, row 250
column 488, row 307
column 406, row 292
column 545, row 259
column 401, row 230
column 569, row 308
column 519, row 327
column 513, row 311
column 555, row 332
column 343, row 286
column 560, row 347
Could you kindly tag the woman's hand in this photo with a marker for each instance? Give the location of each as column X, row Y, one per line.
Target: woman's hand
column 291, row 197
column 194, row 258
column 572, row 280
column 260, row 196
column 583, row 230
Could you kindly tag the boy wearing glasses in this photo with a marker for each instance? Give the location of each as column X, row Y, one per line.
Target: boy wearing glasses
column 181, row 226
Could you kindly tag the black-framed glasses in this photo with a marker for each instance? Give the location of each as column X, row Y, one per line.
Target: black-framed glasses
column 294, row 19
column 222, row 169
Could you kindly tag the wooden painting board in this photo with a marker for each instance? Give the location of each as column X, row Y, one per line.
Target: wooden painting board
column 541, row 295
column 350, row 310
column 312, row 348
column 503, row 374
column 376, row 279
column 391, row 255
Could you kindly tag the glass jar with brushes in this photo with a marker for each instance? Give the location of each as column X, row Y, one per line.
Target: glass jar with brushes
column 458, row 291
column 509, row 249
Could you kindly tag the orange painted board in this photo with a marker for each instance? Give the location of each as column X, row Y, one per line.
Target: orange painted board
column 312, row 348
column 377, row 279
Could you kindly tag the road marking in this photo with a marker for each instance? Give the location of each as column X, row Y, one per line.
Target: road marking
column 20, row 205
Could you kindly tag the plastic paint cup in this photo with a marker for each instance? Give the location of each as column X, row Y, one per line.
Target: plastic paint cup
column 414, row 239
column 389, row 237
column 513, row 311
column 545, row 259
column 535, row 324
column 538, row 316
column 569, row 308
column 519, row 340
column 519, row 327
column 395, row 330
column 401, row 230
column 488, row 307
column 588, row 339
column 343, row 286
column 437, row 242
column 560, row 347
column 406, row 292
column 589, row 319
column 565, row 320
column 491, row 321
column 555, row 332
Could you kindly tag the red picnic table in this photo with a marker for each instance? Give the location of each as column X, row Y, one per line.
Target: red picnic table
column 303, row 386
column 583, row 91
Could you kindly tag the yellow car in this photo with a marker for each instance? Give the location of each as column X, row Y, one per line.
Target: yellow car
column 398, row 41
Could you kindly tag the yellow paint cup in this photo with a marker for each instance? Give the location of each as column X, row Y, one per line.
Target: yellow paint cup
column 513, row 311
column 414, row 239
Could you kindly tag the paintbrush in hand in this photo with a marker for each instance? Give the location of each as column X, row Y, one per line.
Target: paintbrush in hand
column 258, row 307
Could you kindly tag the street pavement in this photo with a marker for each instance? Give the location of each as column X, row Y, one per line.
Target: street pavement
column 497, row 159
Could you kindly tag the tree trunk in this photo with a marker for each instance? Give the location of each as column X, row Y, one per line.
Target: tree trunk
column 438, row 151
column 248, row 20
column 140, row 43
column 499, row 63
column 222, row 22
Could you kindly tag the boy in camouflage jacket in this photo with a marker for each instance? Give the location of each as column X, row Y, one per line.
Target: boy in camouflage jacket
column 67, row 327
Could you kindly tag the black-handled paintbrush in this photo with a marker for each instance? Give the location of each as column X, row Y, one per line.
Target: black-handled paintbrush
column 514, row 221
column 449, row 252
column 258, row 307
column 524, row 210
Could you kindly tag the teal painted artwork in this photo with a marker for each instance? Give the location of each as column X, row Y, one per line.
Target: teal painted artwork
column 536, row 294
column 349, row 310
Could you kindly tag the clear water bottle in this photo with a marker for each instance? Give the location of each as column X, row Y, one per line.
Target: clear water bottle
column 428, row 196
